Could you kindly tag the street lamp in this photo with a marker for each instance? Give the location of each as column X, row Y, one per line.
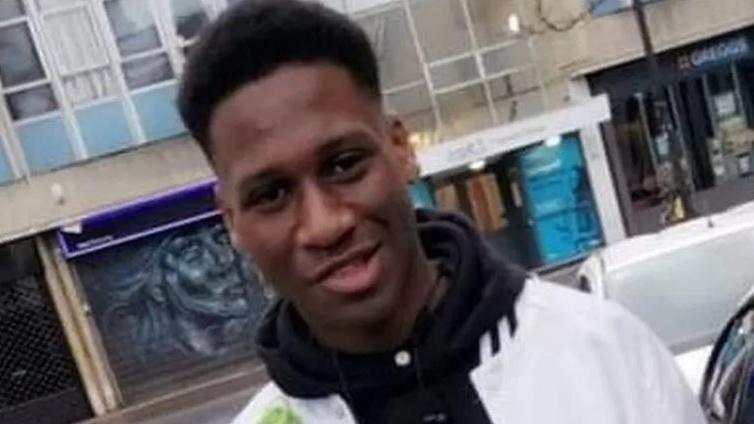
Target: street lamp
column 679, row 196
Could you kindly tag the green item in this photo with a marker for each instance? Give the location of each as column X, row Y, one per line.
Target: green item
column 280, row 415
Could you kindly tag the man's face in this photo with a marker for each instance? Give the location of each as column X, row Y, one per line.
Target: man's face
column 313, row 185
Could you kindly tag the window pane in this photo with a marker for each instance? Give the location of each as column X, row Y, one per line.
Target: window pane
column 490, row 20
column 514, row 84
column 89, row 86
column 32, row 102
column 147, row 71
column 453, row 73
column 513, row 56
column 51, row 4
column 517, row 96
column 76, row 43
column 190, row 17
column 6, row 173
column 464, row 111
column 133, row 25
column 46, row 144
column 607, row 7
column 19, row 62
column 104, row 128
column 408, row 101
column 442, row 27
column 394, row 46
column 11, row 9
column 158, row 114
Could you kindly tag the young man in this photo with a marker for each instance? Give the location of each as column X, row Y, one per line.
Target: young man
column 387, row 315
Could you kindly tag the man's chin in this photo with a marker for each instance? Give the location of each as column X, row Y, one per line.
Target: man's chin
column 369, row 310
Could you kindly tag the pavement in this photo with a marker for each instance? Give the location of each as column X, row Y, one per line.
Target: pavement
column 214, row 403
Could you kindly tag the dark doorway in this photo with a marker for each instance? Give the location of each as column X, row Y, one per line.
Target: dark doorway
column 39, row 383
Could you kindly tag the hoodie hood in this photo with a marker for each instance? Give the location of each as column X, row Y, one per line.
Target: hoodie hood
column 482, row 289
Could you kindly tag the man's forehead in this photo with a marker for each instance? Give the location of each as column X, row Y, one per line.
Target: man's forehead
column 291, row 88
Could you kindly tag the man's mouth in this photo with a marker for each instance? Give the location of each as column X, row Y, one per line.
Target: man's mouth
column 352, row 273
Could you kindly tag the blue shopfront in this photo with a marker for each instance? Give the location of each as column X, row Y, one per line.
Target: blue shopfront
column 528, row 189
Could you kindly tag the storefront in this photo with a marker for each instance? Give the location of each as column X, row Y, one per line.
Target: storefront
column 171, row 301
column 527, row 186
column 706, row 104
column 39, row 381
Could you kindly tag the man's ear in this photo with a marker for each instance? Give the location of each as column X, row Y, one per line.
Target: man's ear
column 399, row 138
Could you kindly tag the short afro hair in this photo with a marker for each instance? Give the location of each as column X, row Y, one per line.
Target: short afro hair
column 254, row 38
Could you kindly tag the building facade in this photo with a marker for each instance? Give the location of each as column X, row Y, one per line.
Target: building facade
column 524, row 127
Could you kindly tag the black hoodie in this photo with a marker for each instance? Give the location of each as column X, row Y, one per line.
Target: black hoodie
column 443, row 349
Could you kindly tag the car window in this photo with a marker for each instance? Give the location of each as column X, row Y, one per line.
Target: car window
column 728, row 395
column 687, row 294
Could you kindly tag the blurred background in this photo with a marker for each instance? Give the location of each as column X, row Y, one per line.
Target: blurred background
column 559, row 127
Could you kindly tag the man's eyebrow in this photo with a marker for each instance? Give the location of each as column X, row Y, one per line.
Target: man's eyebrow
column 267, row 175
column 253, row 180
column 337, row 141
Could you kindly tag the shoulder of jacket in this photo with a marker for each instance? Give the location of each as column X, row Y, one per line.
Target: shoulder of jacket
column 551, row 304
column 269, row 400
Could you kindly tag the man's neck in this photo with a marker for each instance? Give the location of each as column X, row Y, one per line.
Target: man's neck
column 422, row 289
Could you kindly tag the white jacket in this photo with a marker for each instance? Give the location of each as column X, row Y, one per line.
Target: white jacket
column 574, row 359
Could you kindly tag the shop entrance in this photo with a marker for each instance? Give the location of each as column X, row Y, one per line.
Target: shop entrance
column 534, row 204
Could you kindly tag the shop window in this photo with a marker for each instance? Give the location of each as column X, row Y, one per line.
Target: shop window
column 647, row 126
column 173, row 308
column 45, row 144
column 732, row 144
column 535, row 205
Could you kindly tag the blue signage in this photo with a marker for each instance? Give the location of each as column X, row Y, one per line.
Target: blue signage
column 139, row 219
column 721, row 52
column 560, row 200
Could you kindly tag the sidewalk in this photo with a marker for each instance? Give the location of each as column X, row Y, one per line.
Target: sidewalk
column 216, row 403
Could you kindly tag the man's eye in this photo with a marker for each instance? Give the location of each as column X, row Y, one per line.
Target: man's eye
column 267, row 199
column 347, row 166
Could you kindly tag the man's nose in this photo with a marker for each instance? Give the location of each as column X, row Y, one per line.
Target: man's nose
column 325, row 221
